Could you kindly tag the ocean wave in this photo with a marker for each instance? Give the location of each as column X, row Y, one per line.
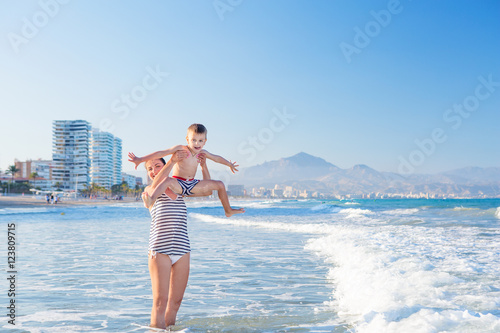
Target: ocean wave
column 308, row 228
column 320, row 207
column 385, row 280
column 355, row 212
column 473, row 212
column 462, row 208
column 11, row 211
column 402, row 211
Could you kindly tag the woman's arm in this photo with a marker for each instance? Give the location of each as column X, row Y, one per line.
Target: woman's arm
column 202, row 159
column 157, row 187
column 167, row 168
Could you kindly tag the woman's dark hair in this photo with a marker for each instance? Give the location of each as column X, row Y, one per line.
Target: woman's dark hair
column 162, row 160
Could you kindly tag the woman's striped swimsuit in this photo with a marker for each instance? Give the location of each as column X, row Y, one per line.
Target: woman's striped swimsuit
column 168, row 233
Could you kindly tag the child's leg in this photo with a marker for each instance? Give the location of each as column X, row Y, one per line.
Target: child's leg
column 205, row 187
column 160, row 189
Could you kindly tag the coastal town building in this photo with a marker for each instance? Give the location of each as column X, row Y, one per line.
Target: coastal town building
column 42, row 169
column 138, row 181
column 117, row 160
column 71, row 153
column 129, row 179
column 236, row 190
column 105, row 159
column 82, row 155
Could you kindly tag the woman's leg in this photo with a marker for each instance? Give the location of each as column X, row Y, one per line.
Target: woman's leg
column 160, row 267
column 178, row 282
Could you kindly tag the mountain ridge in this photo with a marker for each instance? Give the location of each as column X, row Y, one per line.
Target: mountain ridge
column 307, row 172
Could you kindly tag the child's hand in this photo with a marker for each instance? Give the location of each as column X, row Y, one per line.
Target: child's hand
column 134, row 159
column 233, row 166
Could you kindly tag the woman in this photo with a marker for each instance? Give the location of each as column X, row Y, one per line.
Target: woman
column 169, row 249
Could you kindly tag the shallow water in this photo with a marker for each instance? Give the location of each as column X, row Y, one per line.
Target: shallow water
column 284, row 266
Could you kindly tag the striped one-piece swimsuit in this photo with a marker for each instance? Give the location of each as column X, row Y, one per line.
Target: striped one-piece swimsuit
column 168, row 233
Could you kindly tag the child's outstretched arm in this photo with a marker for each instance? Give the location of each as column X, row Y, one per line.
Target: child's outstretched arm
column 222, row 160
column 138, row 160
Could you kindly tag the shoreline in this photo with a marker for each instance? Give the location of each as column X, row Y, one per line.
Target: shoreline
column 29, row 201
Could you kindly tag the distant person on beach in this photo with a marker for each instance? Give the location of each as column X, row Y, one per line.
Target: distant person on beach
column 185, row 171
column 47, row 198
column 169, row 247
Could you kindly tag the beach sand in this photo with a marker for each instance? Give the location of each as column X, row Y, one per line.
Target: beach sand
column 28, row 201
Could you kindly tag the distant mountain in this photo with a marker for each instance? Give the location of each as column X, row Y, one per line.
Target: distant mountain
column 307, row 172
column 295, row 168
column 474, row 175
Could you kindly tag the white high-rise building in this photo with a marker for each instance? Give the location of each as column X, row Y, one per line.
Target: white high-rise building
column 71, row 153
column 117, row 161
column 105, row 156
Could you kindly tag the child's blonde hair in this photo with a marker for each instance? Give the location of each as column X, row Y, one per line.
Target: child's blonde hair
column 198, row 129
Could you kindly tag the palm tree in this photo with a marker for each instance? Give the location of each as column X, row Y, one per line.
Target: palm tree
column 12, row 170
column 34, row 175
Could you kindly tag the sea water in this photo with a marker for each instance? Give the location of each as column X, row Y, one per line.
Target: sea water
column 283, row 266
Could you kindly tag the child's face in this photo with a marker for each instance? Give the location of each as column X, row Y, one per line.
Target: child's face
column 196, row 141
column 153, row 167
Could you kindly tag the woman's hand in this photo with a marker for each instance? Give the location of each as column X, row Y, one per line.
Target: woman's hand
column 202, row 159
column 179, row 155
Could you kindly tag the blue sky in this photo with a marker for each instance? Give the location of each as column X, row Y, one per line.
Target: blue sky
column 397, row 85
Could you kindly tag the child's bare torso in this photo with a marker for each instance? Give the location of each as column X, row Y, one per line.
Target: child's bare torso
column 186, row 168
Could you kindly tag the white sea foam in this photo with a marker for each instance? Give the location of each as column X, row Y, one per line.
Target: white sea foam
column 356, row 211
column 497, row 213
column 58, row 315
column 402, row 211
column 385, row 280
column 195, row 203
column 266, row 224
column 357, row 215
column 462, row 208
column 31, row 210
